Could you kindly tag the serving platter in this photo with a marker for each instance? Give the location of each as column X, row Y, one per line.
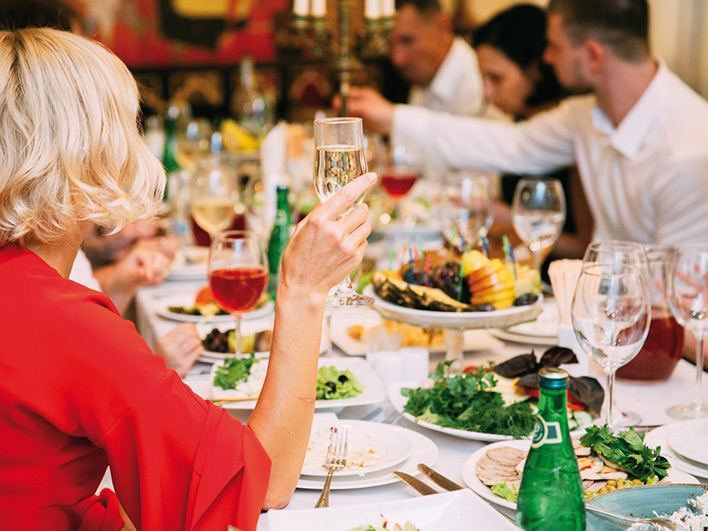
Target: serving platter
column 455, row 320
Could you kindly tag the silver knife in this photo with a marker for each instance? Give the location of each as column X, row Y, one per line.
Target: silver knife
column 417, row 484
column 438, row 478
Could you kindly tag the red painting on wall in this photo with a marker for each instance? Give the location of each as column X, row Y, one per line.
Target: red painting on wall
column 146, row 33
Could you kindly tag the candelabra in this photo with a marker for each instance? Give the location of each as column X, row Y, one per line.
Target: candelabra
column 312, row 27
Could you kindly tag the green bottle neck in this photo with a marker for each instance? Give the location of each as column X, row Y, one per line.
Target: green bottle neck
column 283, row 206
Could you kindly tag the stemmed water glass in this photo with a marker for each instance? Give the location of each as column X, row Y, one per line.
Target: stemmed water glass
column 467, row 207
column 610, row 315
column 687, row 292
column 339, row 159
column 238, row 274
column 538, row 214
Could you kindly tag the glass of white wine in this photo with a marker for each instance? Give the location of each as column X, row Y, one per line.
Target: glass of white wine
column 538, row 214
column 340, row 158
column 214, row 194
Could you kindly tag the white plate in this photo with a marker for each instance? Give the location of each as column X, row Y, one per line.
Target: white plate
column 690, row 439
column 506, row 335
column 190, row 263
column 545, row 326
column 438, row 512
column 343, row 319
column 424, row 451
column 263, row 311
column 455, row 320
column 660, row 437
column 469, row 473
column 372, row 393
column 399, row 401
column 371, row 447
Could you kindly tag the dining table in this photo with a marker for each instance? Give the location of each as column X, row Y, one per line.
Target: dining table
column 649, row 400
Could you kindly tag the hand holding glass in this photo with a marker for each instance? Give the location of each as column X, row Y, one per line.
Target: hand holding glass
column 339, row 159
column 610, row 315
column 238, row 274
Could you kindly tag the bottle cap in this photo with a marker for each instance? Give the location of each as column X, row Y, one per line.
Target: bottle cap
column 552, row 378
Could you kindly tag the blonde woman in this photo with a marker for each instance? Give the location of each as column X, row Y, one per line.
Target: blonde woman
column 79, row 389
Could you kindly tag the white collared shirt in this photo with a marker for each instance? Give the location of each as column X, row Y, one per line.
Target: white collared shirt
column 457, row 85
column 645, row 180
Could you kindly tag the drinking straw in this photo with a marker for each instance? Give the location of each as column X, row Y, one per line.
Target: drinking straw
column 509, row 253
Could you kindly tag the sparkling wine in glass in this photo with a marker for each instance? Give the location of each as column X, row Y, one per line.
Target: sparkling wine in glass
column 467, row 207
column 610, row 314
column 238, row 274
column 214, row 194
column 538, row 213
column 339, row 159
column 688, row 299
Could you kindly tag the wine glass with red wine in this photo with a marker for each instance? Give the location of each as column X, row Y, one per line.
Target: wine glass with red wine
column 238, row 274
column 399, row 173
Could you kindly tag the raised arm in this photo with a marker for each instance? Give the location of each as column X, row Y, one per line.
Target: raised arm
column 323, row 250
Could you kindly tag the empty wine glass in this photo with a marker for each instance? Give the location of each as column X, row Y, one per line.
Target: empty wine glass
column 467, row 208
column 610, row 315
column 538, row 214
column 687, row 292
column 238, row 274
column 339, row 159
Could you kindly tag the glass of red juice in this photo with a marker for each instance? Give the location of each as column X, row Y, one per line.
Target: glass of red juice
column 238, row 273
column 663, row 347
column 399, row 171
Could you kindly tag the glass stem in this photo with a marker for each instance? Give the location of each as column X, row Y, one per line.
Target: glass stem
column 698, row 401
column 345, row 288
column 610, row 373
column 537, row 260
column 328, row 332
column 237, row 335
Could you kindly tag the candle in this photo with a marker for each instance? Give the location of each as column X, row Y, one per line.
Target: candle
column 388, row 8
column 301, row 8
column 319, row 8
column 372, row 9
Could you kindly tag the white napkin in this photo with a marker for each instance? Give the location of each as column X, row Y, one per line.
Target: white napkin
column 272, row 154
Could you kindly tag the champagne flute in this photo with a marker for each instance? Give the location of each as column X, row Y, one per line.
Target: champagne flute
column 467, row 207
column 687, row 292
column 339, row 159
column 538, row 214
column 214, row 194
column 238, row 274
column 610, row 314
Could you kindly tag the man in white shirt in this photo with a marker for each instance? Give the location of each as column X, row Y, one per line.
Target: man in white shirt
column 640, row 140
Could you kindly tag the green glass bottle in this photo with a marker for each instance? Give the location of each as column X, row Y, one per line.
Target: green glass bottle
column 279, row 237
column 169, row 155
column 551, row 492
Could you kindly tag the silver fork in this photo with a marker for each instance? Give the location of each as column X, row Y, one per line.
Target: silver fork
column 336, row 459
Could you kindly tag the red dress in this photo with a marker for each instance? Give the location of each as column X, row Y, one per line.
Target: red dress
column 79, row 390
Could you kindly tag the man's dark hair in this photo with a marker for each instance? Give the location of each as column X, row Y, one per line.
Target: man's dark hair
column 520, row 34
column 19, row 14
column 623, row 25
column 424, row 7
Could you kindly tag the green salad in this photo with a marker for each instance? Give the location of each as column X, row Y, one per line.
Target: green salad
column 334, row 384
column 233, row 371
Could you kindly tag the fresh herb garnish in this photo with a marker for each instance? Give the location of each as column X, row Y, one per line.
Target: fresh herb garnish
column 233, row 371
column 627, row 450
column 466, row 402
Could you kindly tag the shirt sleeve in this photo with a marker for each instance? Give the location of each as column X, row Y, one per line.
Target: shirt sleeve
column 542, row 144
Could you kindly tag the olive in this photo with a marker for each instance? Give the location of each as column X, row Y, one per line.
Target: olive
column 343, row 378
column 525, row 299
column 331, row 387
column 485, row 308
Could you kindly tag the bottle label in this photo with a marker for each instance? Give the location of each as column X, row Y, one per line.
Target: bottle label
column 545, row 433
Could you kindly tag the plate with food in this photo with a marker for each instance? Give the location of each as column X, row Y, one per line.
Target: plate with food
column 423, row 451
column 190, row 263
column 352, row 329
column 494, row 471
column 341, row 382
column 493, row 403
column 437, row 512
column 371, row 447
column 474, row 292
column 185, row 307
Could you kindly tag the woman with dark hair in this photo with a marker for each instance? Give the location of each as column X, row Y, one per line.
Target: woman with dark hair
column 510, row 50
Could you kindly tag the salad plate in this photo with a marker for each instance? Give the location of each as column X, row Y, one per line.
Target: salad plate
column 660, row 437
column 690, row 439
column 371, row 447
column 455, row 320
column 437, row 512
column 423, row 451
column 469, row 473
column 372, row 392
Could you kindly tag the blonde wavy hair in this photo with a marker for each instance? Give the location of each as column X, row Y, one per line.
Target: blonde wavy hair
column 70, row 146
